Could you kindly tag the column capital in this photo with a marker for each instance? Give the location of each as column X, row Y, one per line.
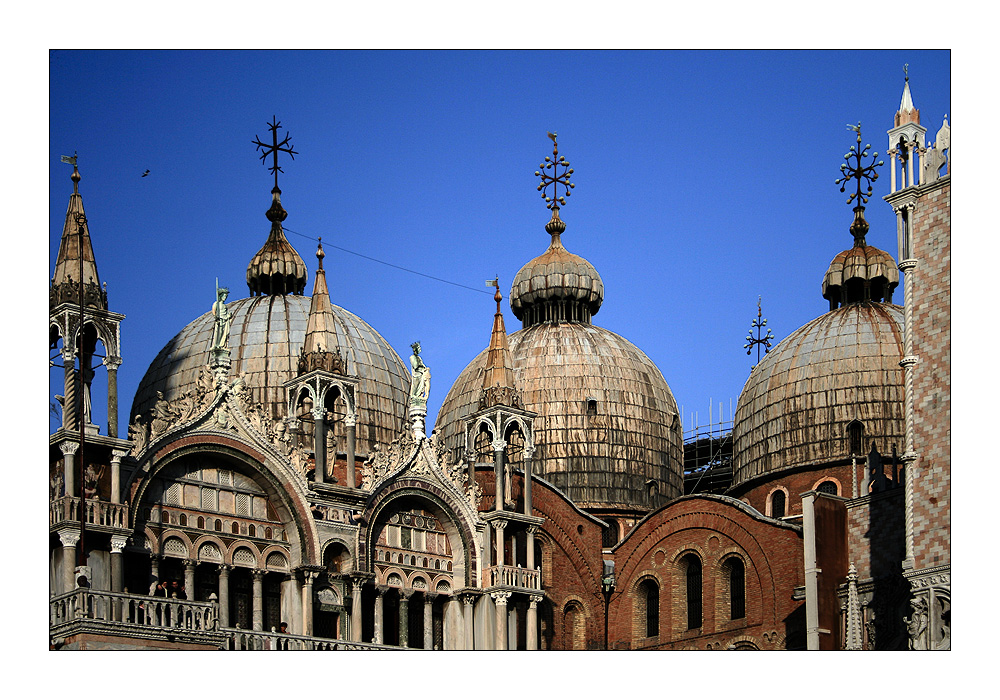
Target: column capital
column 68, row 355
column 468, row 599
column 498, row 445
column 499, row 524
column 224, row 569
column 908, row 264
column 350, row 420
column 500, row 597
column 116, row 456
column 112, row 363
column 531, row 530
column 528, row 452
column 534, row 600
column 68, row 447
column 118, row 543
column 69, row 538
column 319, row 413
column 405, row 593
column 381, row 589
column 258, row 574
column 429, row 597
column 189, row 564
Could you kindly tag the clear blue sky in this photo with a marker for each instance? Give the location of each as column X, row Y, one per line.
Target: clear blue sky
column 704, row 179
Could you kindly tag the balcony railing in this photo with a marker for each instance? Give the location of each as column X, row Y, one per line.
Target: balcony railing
column 248, row 640
column 515, row 577
column 103, row 513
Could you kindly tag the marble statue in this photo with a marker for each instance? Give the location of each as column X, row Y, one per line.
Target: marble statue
column 223, row 320
column 420, row 384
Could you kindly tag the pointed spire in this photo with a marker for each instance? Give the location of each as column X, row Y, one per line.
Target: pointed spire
column 65, row 285
column 498, row 379
column 320, row 349
column 907, row 112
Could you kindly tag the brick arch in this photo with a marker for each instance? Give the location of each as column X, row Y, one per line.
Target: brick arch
column 827, row 477
column 770, row 495
column 300, row 528
column 450, row 513
column 573, row 623
column 638, row 608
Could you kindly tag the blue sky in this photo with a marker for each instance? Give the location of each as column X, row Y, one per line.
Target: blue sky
column 704, row 179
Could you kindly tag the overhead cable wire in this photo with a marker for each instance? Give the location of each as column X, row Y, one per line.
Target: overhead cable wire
column 389, row 264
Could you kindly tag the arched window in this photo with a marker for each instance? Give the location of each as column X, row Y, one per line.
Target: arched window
column 649, row 593
column 778, row 504
column 693, row 592
column 829, row 487
column 236, row 528
column 737, row 588
column 251, row 530
column 201, row 522
column 856, row 437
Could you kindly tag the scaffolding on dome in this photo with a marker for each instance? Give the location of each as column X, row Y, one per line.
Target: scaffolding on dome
column 708, row 456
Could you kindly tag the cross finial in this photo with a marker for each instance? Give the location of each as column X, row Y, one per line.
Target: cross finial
column 273, row 149
column 555, row 179
column 906, row 72
column 855, row 171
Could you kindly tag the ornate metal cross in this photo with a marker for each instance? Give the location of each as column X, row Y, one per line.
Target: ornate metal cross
column 274, row 148
column 856, row 171
column 757, row 326
column 555, row 179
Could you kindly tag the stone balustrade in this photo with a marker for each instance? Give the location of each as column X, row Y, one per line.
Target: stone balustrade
column 125, row 610
column 103, row 513
column 514, row 577
column 248, row 640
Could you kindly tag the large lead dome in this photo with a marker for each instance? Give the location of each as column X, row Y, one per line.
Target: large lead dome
column 607, row 432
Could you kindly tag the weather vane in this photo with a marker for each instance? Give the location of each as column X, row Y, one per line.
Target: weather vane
column 856, row 171
column 757, row 326
column 555, row 179
column 274, row 148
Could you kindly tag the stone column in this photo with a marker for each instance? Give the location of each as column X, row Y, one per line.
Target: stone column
column 224, row 570
column 379, row 636
column 69, row 386
column 356, row 609
column 69, row 540
column 500, row 597
column 528, row 454
column 189, row 565
column 429, row 619
column 116, row 475
column 499, row 525
column 404, row 616
column 112, row 363
column 892, row 170
column 349, row 425
column 258, row 599
column 498, row 448
column 154, row 568
column 909, row 163
column 319, row 420
column 117, row 579
column 69, row 449
column 307, row 601
column 529, row 547
column 467, row 618
column 531, row 624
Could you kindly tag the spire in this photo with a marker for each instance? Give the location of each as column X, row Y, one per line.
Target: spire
column 907, row 113
column 73, row 247
column 498, row 378
column 320, row 349
column 277, row 267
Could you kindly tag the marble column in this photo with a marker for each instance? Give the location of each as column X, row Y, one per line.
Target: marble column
column 154, row 568
column 379, row 634
column 429, row 619
column 531, row 624
column 69, row 540
column 308, row 577
column 498, row 526
column 116, row 475
column 189, row 565
column 349, row 425
column 467, row 618
column 69, row 388
column 356, row 609
column 529, row 546
column 500, row 598
column 498, row 448
column 112, row 363
column 224, row 570
column 69, row 449
column 319, row 421
column 528, row 454
column 404, row 616
column 258, row 599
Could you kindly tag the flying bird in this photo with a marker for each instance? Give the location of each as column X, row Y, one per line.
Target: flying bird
column 145, row 173
column 552, row 135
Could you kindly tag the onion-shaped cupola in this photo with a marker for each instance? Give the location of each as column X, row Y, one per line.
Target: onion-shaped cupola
column 862, row 272
column 277, row 268
column 75, row 259
column 557, row 285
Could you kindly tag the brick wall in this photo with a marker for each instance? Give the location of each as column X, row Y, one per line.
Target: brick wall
column 932, row 375
column 795, row 483
column 714, row 528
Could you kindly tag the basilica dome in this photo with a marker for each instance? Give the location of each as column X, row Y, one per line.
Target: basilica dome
column 607, row 431
column 834, row 386
column 266, row 338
